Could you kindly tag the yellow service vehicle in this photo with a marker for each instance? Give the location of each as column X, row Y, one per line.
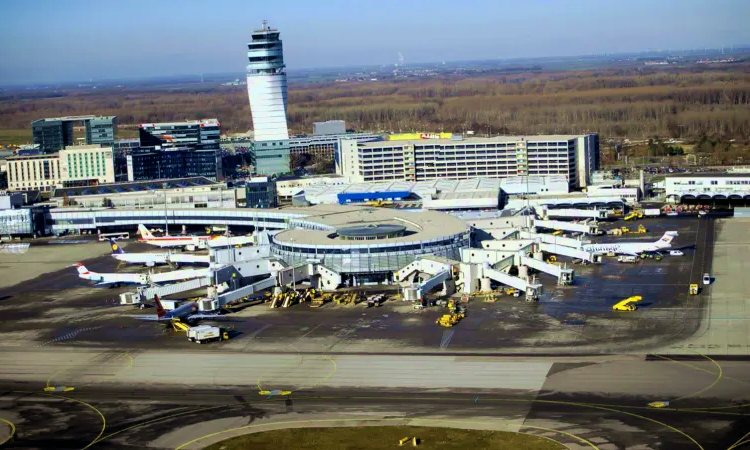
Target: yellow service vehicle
column 628, row 304
column 557, row 233
column 448, row 320
column 693, row 289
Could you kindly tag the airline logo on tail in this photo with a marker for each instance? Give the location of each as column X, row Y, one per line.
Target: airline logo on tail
column 145, row 234
column 82, row 270
column 666, row 240
column 116, row 249
column 160, row 311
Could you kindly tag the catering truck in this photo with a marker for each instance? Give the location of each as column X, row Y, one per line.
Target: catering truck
column 206, row 333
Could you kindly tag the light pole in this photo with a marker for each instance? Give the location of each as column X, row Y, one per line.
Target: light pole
column 294, row 281
column 166, row 223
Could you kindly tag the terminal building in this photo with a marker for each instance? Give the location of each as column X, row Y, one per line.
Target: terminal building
column 708, row 187
column 435, row 157
column 57, row 133
column 80, row 165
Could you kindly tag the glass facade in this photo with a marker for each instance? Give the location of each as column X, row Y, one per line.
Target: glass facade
column 101, row 130
column 163, row 164
column 374, row 258
column 195, row 135
column 261, row 194
column 271, row 157
column 56, row 134
column 52, row 134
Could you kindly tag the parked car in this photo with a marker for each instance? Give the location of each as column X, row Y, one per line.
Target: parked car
column 676, row 253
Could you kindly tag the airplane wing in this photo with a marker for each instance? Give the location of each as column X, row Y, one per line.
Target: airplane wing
column 204, row 316
column 151, row 317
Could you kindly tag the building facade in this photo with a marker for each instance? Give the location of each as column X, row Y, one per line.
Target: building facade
column 573, row 157
column 266, row 85
column 144, row 164
column 74, row 166
column 260, row 192
column 326, row 146
column 198, row 135
column 329, row 127
column 271, row 157
column 57, row 133
column 707, row 187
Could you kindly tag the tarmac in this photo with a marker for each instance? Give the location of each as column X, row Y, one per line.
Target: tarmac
column 179, row 400
column 568, row 368
column 726, row 328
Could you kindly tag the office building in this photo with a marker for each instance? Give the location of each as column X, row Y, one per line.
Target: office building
column 329, row 127
column 82, row 165
column 573, row 157
column 196, row 134
column 260, row 192
column 146, row 164
column 271, row 157
column 326, row 146
column 266, row 85
column 57, row 133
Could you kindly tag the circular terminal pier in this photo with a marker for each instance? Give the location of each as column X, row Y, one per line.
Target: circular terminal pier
column 371, row 232
column 367, row 244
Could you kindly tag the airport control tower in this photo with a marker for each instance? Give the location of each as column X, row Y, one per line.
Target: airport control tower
column 266, row 84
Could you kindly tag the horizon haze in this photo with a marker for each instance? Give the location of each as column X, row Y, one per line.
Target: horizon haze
column 55, row 42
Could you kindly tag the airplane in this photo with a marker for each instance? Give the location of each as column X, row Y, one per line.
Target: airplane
column 152, row 259
column 171, row 241
column 632, row 248
column 185, row 312
column 118, row 279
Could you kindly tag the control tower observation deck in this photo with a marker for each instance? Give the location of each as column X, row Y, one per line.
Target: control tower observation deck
column 266, row 84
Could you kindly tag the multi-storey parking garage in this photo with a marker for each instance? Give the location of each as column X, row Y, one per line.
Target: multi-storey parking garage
column 368, row 244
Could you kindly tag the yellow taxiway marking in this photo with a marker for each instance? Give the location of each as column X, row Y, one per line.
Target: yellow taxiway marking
column 12, row 431
column 93, row 408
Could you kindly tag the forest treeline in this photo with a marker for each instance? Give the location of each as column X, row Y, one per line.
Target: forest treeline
column 632, row 105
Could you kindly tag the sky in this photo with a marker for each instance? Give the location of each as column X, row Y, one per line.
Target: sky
column 45, row 41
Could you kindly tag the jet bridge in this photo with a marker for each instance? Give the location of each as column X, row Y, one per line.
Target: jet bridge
column 598, row 214
column 564, row 276
column 550, row 239
column 440, row 269
column 571, row 252
column 319, row 275
column 587, row 228
column 474, row 273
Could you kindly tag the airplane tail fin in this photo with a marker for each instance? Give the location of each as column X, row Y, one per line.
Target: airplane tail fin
column 82, row 270
column 116, row 249
column 160, row 311
column 145, row 234
column 666, row 240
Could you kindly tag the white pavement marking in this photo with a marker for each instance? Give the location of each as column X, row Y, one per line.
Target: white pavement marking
column 447, row 336
column 232, row 369
column 70, row 335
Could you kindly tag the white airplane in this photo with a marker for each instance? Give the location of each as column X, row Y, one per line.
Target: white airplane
column 188, row 311
column 632, row 248
column 152, row 259
column 118, row 279
column 171, row 241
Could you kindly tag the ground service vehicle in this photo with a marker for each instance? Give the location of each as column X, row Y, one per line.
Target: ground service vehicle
column 652, row 212
column 693, row 289
column 206, row 333
column 628, row 304
column 706, row 279
column 627, row 259
column 676, row 253
column 448, row 320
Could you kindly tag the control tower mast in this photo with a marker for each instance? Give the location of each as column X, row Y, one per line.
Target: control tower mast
column 266, row 84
